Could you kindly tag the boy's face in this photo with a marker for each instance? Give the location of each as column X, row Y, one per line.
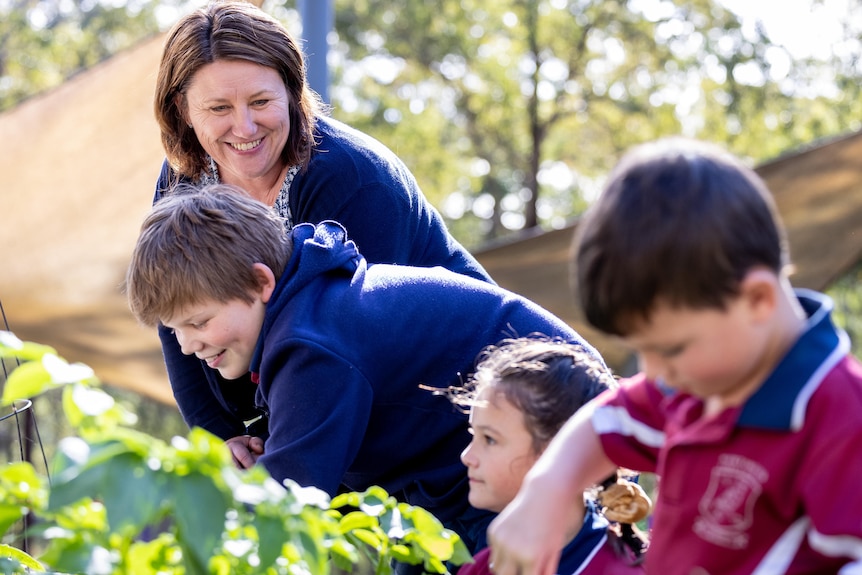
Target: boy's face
column 500, row 453
column 222, row 334
column 709, row 353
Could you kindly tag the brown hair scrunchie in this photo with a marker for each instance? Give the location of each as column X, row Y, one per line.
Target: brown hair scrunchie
column 624, row 502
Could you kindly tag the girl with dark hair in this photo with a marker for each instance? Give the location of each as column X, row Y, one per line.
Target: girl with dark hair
column 521, row 394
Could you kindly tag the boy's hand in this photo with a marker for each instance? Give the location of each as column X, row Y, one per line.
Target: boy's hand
column 522, row 542
column 245, row 450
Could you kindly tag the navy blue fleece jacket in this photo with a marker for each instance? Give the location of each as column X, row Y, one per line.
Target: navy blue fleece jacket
column 341, row 356
column 355, row 180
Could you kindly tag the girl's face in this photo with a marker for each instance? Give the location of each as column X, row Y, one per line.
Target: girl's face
column 500, row 453
column 239, row 111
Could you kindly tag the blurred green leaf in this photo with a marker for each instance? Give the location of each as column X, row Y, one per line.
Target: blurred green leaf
column 271, row 538
column 24, row 559
column 200, row 509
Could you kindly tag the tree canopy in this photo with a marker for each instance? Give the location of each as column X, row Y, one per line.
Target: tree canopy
column 510, row 112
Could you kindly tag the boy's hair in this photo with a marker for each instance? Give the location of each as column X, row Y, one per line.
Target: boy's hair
column 201, row 244
column 548, row 380
column 680, row 221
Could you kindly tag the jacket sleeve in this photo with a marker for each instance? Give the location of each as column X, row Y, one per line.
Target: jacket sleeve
column 319, row 407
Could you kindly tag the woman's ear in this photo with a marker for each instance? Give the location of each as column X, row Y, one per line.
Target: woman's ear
column 760, row 288
column 182, row 109
column 265, row 281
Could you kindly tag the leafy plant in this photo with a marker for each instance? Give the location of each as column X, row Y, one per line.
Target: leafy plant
column 122, row 502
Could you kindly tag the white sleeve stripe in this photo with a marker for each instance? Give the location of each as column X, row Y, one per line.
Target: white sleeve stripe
column 836, row 545
column 609, row 419
column 781, row 554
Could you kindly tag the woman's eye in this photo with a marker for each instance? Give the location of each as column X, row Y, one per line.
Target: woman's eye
column 260, row 102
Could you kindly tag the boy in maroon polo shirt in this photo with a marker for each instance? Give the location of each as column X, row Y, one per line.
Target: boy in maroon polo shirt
column 749, row 405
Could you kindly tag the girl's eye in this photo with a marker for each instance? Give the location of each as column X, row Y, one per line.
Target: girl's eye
column 489, row 440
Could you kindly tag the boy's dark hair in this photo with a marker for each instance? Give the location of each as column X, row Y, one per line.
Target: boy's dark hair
column 202, row 244
column 680, row 221
column 548, row 380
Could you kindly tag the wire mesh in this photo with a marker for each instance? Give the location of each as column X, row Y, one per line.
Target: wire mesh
column 20, row 440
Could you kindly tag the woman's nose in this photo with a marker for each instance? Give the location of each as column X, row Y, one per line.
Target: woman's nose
column 243, row 122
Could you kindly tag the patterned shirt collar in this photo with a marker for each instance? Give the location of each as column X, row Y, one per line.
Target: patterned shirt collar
column 282, row 201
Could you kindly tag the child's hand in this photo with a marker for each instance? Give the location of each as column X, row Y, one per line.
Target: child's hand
column 522, row 542
column 245, row 450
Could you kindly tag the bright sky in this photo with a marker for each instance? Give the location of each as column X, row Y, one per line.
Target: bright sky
column 804, row 30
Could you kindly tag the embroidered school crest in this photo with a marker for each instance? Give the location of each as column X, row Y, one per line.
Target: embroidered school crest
column 727, row 507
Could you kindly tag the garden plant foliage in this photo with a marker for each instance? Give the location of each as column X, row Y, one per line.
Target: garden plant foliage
column 123, row 502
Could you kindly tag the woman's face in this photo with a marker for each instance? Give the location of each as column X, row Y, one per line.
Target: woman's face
column 239, row 112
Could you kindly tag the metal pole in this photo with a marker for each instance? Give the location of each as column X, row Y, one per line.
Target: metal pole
column 317, row 23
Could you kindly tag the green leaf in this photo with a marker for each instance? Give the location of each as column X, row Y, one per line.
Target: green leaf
column 461, row 554
column 404, row 554
column 150, row 557
column 18, row 555
column 11, row 346
column 19, row 479
column 77, row 556
column 357, row 520
column 133, row 495
column 271, row 535
column 367, row 537
column 351, row 499
column 26, row 381
column 9, row 515
column 200, row 513
column 70, row 489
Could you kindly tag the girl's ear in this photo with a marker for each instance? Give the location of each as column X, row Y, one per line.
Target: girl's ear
column 265, row 281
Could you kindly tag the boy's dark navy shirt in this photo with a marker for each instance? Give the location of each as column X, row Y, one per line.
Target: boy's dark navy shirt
column 341, row 356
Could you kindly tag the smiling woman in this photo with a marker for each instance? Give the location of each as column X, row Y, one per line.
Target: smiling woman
column 233, row 106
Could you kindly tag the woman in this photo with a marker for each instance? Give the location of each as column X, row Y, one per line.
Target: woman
column 234, row 107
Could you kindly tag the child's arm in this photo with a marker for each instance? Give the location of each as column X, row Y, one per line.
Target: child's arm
column 528, row 535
